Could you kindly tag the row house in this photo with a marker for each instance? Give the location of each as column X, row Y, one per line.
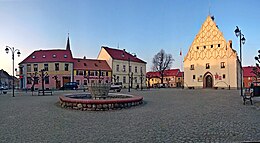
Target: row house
column 91, row 71
column 127, row 68
column 172, row 78
column 58, row 67
column 248, row 76
column 6, row 80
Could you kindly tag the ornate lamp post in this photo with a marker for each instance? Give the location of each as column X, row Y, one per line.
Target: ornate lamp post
column 242, row 40
column 13, row 51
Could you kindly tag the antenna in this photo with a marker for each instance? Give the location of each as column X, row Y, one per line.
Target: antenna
column 117, row 45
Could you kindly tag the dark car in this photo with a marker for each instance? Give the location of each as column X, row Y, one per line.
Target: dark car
column 70, row 85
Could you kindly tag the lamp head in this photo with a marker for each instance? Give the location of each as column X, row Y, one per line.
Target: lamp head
column 7, row 49
column 243, row 40
column 18, row 53
column 237, row 31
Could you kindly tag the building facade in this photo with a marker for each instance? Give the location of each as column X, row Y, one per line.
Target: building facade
column 248, row 76
column 6, row 81
column 172, row 78
column 91, row 71
column 58, row 67
column 127, row 68
column 211, row 61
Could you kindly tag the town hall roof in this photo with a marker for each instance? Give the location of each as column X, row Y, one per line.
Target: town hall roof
column 122, row 55
column 210, row 43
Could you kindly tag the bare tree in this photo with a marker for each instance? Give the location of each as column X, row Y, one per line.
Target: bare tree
column 256, row 70
column 161, row 62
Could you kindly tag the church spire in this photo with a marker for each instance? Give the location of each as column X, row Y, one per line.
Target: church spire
column 68, row 42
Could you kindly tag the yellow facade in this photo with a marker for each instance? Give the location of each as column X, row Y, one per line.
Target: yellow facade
column 211, row 61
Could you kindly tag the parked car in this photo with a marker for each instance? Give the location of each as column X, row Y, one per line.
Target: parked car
column 70, row 86
column 3, row 87
column 116, row 86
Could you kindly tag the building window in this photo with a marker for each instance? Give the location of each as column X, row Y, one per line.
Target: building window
column 207, row 66
column 211, row 46
column 135, row 79
column 46, row 67
column 65, row 56
column 123, row 68
column 33, row 57
column 77, row 81
column 35, row 67
column 124, row 79
column 222, row 65
column 29, row 80
column 66, row 67
column 135, row 69
column 117, row 78
column 47, row 81
column 29, row 68
column 224, row 76
column 54, row 56
column 191, row 67
column 79, row 72
column 204, row 47
column 198, row 48
column 194, row 77
column 141, row 69
column 117, row 68
column 57, row 67
column 130, row 68
column 85, row 82
column 43, row 56
column 218, row 45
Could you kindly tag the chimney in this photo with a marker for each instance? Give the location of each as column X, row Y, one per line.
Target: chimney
column 230, row 43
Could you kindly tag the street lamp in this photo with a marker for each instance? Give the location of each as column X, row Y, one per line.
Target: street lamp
column 242, row 40
column 129, row 74
column 13, row 51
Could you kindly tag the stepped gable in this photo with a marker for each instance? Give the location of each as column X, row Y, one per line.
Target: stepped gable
column 210, row 43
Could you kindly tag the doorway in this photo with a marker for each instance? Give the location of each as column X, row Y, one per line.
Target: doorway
column 208, row 80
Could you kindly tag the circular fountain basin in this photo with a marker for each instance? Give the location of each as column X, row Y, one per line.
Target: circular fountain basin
column 111, row 102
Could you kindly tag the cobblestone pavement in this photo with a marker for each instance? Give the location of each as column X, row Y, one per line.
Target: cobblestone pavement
column 168, row 115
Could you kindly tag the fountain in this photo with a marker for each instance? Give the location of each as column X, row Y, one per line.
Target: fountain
column 99, row 99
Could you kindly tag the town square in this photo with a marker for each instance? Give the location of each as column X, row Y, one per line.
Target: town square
column 167, row 115
column 129, row 71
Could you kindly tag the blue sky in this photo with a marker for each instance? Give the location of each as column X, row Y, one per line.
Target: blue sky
column 139, row 26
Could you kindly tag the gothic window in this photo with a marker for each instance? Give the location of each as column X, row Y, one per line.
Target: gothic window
column 207, row 66
column 222, row 65
column 191, row 67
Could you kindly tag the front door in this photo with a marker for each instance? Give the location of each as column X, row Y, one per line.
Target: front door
column 209, row 81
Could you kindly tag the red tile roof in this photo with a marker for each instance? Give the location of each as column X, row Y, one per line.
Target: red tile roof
column 122, row 55
column 247, row 71
column 180, row 74
column 91, row 64
column 42, row 56
column 169, row 72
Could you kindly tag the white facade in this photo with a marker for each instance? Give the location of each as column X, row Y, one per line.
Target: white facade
column 121, row 72
column 211, row 61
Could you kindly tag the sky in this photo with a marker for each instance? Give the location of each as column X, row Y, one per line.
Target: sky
column 143, row 27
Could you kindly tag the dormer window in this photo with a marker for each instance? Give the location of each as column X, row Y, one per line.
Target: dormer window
column 54, row 56
column 43, row 56
column 65, row 56
column 33, row 57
